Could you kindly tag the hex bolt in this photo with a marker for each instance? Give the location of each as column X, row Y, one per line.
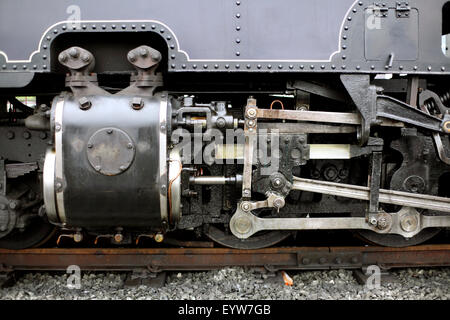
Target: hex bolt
column 277, row 182
column 279, row 203
column 306, row 261
column 118, row 237
column 143, row 52
column 10, row 135
column 251, row 123
column 73, row 52
column 43, row 135
column 159, row 237
column 221, row 123
column 156, row 56
column 63, row 57
column 322, row 260
column 78, row 237
column 13, row 205
column 382, row 223
column 85, row 103
column 26, row 135
column 246, row 192
column 57, row 127
column 245, row 206
column 85, row 57
column 132, row 56
column 251, row 113
column 338, row 260
column 122, row 168
column 130, row 146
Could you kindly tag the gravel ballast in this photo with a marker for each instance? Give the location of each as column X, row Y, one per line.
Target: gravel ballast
column 236, row 283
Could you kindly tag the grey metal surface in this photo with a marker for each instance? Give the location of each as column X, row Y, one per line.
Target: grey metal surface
column 235, row 36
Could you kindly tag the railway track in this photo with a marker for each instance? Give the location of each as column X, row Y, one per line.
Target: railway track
column 179, row 259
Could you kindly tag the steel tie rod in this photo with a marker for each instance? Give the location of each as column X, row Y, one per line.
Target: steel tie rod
column 363, row 193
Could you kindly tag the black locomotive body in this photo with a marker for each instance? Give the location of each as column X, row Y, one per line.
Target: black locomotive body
column 243, row 121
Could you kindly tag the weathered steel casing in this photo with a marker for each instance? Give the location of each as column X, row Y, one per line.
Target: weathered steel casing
column 110, row 162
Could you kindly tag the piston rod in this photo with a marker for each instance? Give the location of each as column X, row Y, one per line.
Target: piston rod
column 211, row 180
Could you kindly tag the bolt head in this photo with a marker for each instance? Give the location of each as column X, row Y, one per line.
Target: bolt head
column 73, row 52
column 63, row 57
column 132, row 56
column 85, row 57
column 143, row 52
column 156, row 56
column 159, row 237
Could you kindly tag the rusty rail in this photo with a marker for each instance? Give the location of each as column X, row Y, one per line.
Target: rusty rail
column 289, row 258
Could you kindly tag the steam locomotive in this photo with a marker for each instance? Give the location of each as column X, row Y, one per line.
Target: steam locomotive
column 245, row 121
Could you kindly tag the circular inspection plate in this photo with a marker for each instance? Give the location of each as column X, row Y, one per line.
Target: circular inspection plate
column 110, row 151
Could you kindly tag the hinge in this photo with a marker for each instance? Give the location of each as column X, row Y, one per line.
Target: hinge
column 403, row 9
column 380, row 10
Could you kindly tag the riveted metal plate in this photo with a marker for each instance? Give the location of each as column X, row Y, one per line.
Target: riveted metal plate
column 110, row 151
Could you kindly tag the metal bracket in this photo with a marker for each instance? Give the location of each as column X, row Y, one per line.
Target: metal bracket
column 403, row 9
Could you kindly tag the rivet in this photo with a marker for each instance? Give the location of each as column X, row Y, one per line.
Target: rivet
column 24, row 66
column 26, row 135
column 169, row 37
column 280, row 66
column 153, row 27
column 162, row 30
column 90, row 145
column 194, row 66
column 354, row 10
column 302, row 66
column 44, row 47
column 103, row 26
column 172, row 46
column 238, row 28
column 124, row 26
column 238, row 15
column 400, row 67
column 344, row 37
column 183, row 66
column 248, row 66
column 34, row 66
column 346, row 28
column 358, row 67
column 205, row 66
column 4, row 66
column 291, row 66
column 238, row 3
column 64, row 27
column 386, row 67
column 98, row 168
column 349, row 18
column 269, row 66
column 360, row 3
column 113, row 26
column 311, row 66
column 14, row 67
column 143, row 26
column 238, row 40
column 372, row 67
column 227, row 66
column 172, row 66
column 48, row 38
column 429, row 68
column 344, row 47
column 133, row 26
column 216, row 66
column 84, row 27
column 238, row 53
column 259, row 66
column 343, row 67
column 44, row 57
column 443, row 68
column 94, row 27
column 130, row 146
column 322, row 67
column 333, row 66
column 109, row 131
column 172, row 56
column 415, row 67
column 344, row 57
column 237, row 66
